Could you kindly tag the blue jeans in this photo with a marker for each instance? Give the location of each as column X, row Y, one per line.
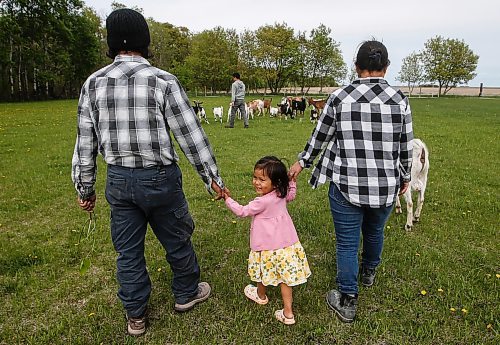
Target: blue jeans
column 350, row 221
column 155, row 196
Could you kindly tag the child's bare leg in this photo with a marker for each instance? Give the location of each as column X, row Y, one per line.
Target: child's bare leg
column 286, row 294
column 261, row 290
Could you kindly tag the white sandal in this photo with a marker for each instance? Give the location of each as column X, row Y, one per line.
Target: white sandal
column 251, row 293
column 280, row 316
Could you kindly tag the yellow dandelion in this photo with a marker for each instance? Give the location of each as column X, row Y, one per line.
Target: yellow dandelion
column 159, row 269
column 464, row 310
column 497, row 275
column 213, row 199
column 234, row 222
column 489, row 326
column 91, row 314
column 423, row 292
column 417, row 254
column 440, row 290
column 388, row 226
column 453, row 310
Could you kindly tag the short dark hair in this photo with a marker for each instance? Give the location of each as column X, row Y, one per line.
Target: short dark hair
column 236, row 75
column 277, row 172
column 372, row 56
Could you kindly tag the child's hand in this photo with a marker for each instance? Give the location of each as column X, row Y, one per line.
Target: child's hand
column 226, row 193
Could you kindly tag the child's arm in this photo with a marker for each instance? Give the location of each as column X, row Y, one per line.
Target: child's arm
column 255, row 206
column 292, row 190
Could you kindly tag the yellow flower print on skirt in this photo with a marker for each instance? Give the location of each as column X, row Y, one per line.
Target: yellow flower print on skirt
column 287, row 265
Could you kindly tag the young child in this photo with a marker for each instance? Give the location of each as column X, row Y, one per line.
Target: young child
column 276, row 255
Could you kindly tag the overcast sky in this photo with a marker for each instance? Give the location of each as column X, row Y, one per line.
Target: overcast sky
column 403, row 26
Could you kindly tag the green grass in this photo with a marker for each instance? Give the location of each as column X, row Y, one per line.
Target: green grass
column 455, row 247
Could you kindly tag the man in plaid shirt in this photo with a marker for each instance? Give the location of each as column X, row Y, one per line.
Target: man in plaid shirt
column 127, row 111
column 364, row 134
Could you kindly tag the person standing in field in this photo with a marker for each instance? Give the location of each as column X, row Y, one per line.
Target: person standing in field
column 276, row 255
column 237, row 101
column 364, row 136
column 127, row 112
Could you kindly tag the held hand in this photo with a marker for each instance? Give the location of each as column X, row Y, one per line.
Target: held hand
column 226, row 193
column 218, row 190
column 404, row 188
column 88, row 204
column 294, row 171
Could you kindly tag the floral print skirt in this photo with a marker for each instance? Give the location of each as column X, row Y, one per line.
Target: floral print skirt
column 286, row 265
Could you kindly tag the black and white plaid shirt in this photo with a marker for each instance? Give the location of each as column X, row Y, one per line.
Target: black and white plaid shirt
column 366, row 128
column 126, row 112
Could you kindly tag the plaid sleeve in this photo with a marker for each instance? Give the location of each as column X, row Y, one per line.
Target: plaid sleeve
column 84, row 166
column 321, row 135
column 406, row 147
column 190, row 135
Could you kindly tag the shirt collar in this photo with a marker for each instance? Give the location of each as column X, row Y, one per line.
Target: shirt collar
column 370, row 80
column 131, row 58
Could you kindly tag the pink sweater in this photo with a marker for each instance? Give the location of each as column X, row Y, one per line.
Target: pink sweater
column 272, row 227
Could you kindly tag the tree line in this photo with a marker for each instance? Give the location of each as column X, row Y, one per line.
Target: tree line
column 49, row 48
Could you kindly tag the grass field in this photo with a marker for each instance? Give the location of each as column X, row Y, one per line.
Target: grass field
column 452, row 254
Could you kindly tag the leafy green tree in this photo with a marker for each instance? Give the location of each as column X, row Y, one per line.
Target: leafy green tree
column 214, row 55
column 449, row 62
column 276, row 54
column 412, row 71
column 50, row 47
column 324, row 63
column 170, row 45
column 251, row 73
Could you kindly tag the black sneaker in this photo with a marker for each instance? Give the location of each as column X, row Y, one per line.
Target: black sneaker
column 342, row 304
column 202, row 295
column 367, row 276
column 136, row 325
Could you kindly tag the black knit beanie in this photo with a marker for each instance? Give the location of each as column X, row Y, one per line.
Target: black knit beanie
column 127, row 30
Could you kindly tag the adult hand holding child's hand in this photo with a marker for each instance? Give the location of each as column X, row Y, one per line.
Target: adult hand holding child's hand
column 294, row 171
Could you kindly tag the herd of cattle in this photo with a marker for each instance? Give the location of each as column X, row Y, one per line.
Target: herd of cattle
column 287, row 107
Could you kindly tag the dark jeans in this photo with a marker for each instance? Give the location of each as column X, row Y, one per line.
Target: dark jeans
column 151, row 195
column 238, row 104
column 350, row 221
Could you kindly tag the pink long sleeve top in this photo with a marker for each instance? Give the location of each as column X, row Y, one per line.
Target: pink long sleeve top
column 272, row 227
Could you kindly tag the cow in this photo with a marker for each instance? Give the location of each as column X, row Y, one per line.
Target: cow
column 200, row 112
column 419, row 172
column 218, row 113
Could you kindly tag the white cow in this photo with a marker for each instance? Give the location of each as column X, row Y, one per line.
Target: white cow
column 419, row 172
column 218, row 113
